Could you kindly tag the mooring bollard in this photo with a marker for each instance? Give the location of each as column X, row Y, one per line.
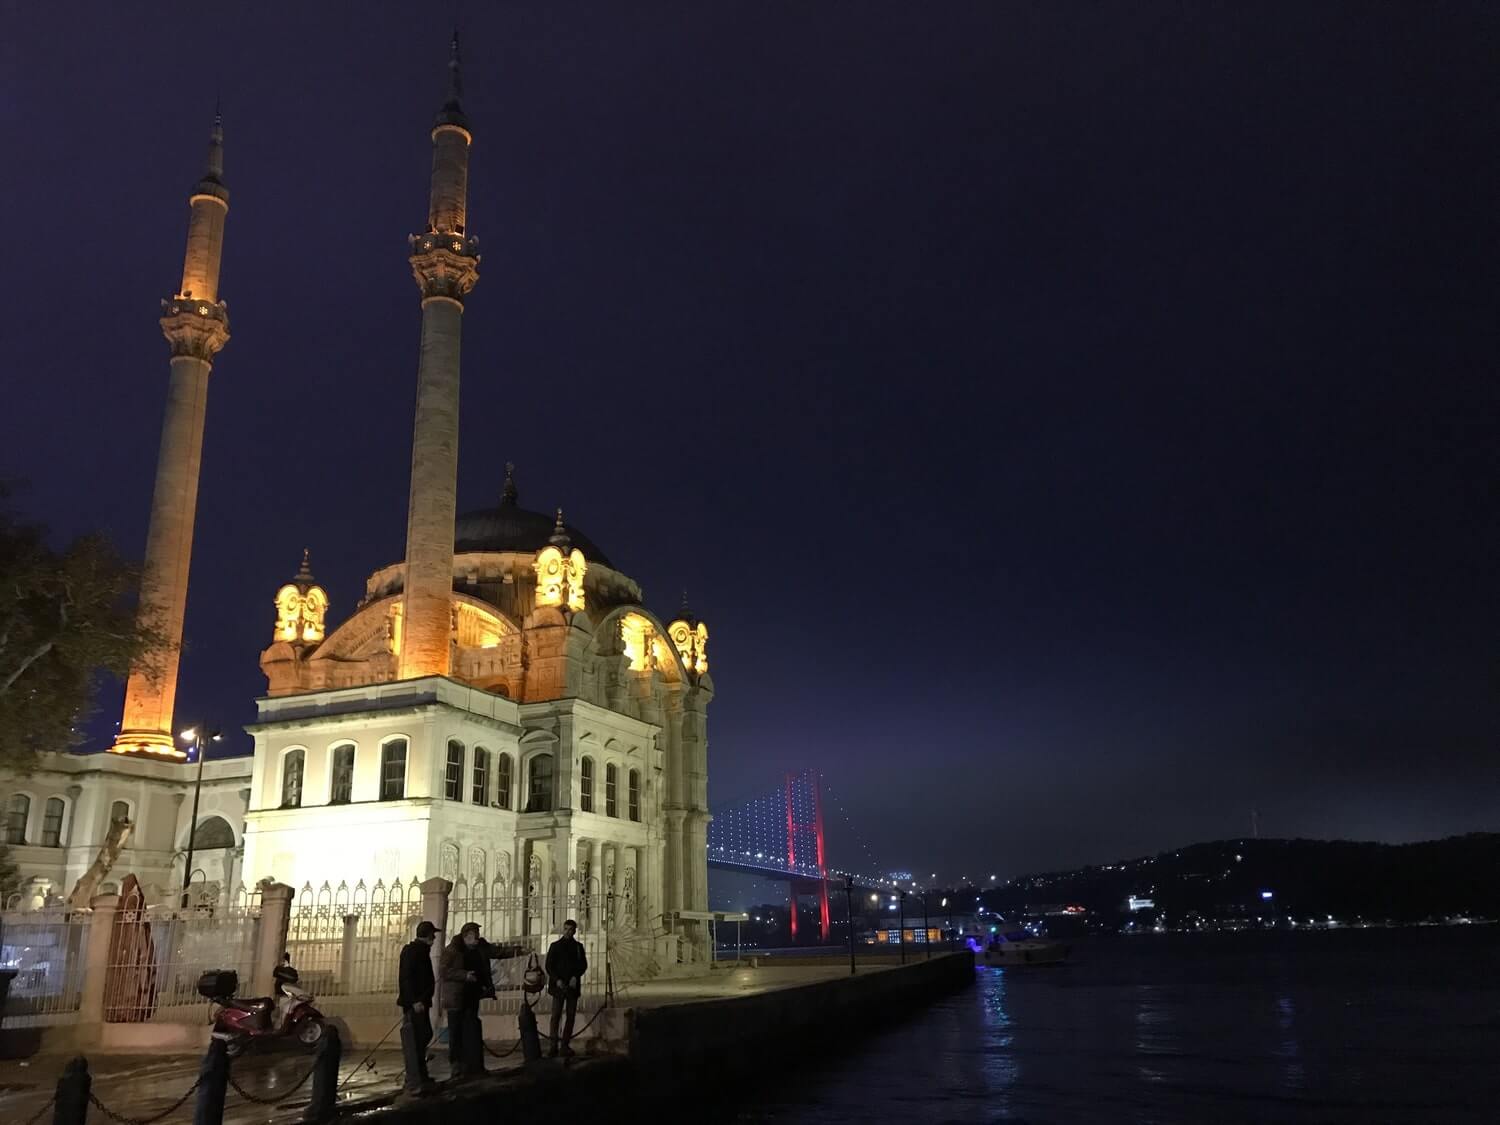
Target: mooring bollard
column 73, row 1089
column 325, row 1077
column 531, row 1042
column 213, row 1084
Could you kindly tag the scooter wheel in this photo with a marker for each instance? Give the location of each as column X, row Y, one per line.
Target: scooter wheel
column 310, row 1033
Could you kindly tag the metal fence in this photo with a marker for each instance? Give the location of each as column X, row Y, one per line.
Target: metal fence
column 47, row 950
column 157, row 953
column 346, row 942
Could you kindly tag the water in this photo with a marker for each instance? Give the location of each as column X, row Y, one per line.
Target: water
column 1337, row 1027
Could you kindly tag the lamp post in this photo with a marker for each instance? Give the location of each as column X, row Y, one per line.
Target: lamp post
column 926, row 928
column 196, row 736
column 901, row 926
column 849, row 914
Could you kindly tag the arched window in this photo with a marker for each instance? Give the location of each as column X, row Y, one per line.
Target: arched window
column 611, row 790
column 504, row 782
column 586, row 785
column 633, row 795
column 341, row 771
column 393, row 770
column 481, row 776
column 213, row 833
column 292, row 763
column 119, row 811
column 539, row 784
column 16, row 817
column 453, row 779
column 52, row 820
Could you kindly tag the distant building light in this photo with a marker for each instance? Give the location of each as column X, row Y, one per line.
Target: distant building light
column 1265, row 894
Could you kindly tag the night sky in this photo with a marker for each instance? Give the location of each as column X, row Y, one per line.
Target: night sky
column 1076, row 423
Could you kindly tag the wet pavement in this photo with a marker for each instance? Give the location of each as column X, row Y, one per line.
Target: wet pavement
column 142, row 1086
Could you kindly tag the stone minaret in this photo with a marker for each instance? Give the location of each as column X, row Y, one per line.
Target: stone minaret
column 445, row 261
column 196, row 324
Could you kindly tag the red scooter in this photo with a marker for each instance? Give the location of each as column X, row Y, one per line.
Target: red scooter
column 241, row 1021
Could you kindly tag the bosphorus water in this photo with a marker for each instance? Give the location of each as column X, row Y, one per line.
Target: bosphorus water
column 1343, row 1026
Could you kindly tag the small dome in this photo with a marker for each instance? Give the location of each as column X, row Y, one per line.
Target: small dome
column 510, row 527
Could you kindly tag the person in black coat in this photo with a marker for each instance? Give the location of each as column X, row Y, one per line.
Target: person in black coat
column 414, row 989
column 465, row 969
column 566, row 964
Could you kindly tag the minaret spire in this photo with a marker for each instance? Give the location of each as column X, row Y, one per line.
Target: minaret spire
column 195, row 322
column 445, row 263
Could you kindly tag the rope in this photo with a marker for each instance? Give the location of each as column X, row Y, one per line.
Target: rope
column 123, row 1120
column 531, row 1005
column 37, row 1116
column 258, row 1100
column 360, row 1065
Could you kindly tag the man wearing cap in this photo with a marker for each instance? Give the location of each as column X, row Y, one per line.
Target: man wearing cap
column 414, row 998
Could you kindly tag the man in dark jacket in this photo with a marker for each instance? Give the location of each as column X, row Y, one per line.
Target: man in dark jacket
column 414, row 984
column 565, row 966
column 465, row 971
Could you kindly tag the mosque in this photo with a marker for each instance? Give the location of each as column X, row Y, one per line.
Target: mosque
column 499, row 707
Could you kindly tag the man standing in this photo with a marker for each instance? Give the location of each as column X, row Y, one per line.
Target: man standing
column 465, row 971
column 566, row 965
column 414, row 998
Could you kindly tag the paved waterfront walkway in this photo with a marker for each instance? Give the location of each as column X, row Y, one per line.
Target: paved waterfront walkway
column 143, row 1085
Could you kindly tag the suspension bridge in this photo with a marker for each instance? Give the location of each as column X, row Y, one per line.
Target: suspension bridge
column 781, row 835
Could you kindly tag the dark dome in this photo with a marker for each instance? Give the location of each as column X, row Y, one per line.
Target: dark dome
column 511, row 527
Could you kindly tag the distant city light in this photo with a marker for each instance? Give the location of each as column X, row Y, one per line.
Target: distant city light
column 1265, row 894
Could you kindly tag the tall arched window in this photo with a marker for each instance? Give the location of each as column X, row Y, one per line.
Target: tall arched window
column 292, row 763
column 504, row 782
column 481, row 776
column 15, row 819
column 119, row 811
column 393, row 770
column 341, row 770
column 52, row 820
column 586, row 785
column 539, row 784
column 453, row 779
column 633, row 795
column 611, row 790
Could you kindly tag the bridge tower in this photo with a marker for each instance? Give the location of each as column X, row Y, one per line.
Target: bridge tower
column 804, row 801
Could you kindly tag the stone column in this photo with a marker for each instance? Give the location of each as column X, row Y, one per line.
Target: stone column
column 617, row 882
column 196, row 325
column 346, row 953
column 96, row 959
column 270, row 937
column 435, row 894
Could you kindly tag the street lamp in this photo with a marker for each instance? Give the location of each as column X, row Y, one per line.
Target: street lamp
column 901, row 931
column 926, row 929
column 849, row 913
column 195, row 735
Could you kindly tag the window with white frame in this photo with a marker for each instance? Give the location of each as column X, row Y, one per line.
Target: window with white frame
column 341, row 770
column 293, row 762
column 52, row 822
column 393, row 770
column 481, row 793
column 586, row 785
column 16, row 816
column 453, row 777
column 611, row 790
column 633, row 795
column 504, row 781
column 539, row 787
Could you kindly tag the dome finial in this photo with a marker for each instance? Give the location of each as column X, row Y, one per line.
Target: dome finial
column 214, row 167
column 508, row 495
column 304, row 572
column 560, row 538
column 452, row 112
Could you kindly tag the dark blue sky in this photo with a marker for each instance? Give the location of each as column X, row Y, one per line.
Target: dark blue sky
column 1076, row 423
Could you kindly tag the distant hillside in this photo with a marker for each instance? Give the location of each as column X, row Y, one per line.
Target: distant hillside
column 1228, row 878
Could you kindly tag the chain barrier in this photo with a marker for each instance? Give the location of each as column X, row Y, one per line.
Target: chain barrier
column 121, row 1119
column 37, row 1116
column 258, row 1100
column 494, row 1054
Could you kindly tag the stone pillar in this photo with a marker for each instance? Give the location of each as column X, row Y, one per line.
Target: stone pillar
column 196, row 325
column 96, row 958
column 672, row 889
column 435, row 894
column 270, row 937
column 617, row 882
column 346, row 954
column 641, row 885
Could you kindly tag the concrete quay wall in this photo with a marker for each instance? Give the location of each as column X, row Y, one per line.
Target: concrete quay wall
column 735, row 1031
